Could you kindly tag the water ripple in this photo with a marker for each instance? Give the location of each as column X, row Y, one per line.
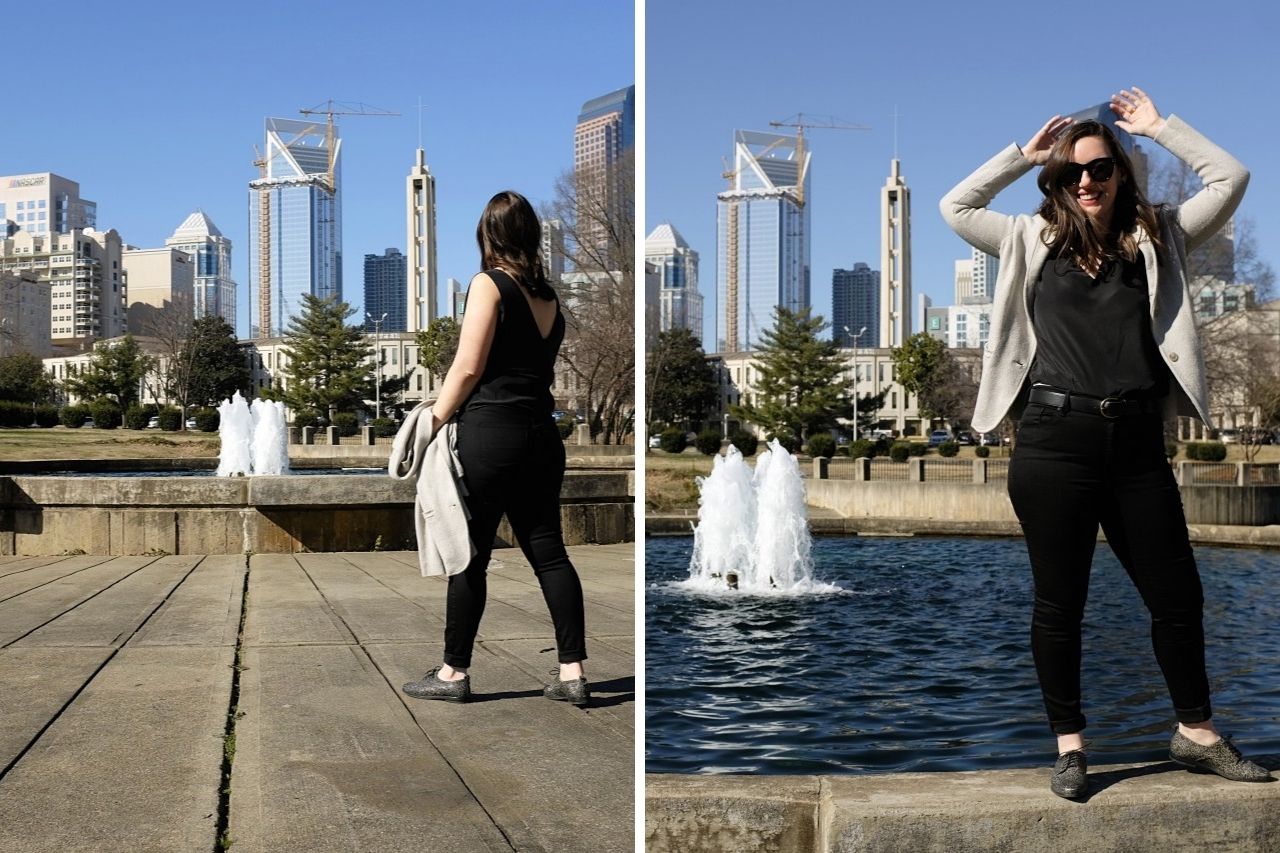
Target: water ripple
column 913, row 654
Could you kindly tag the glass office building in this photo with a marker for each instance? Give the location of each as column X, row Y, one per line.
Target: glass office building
column 295, row 235
column 855, row 305
column 385, row 292
column 214, row 290
column 762, row 239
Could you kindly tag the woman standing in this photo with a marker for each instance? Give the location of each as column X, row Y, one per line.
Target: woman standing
column 1093, row 337
column 510, row 450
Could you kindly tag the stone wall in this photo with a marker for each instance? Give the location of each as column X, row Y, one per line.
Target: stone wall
column 186, row 515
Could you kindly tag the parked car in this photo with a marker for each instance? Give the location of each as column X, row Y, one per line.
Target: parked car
column 1229, row 436
column 989, row 439
column 655, row 440
column 154, row 423
column 89, row 424
column 965, row 437
column 938, row 436
column 877, row 434
column 191, row 423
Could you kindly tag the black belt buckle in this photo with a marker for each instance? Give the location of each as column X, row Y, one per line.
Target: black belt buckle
column 1102, row 406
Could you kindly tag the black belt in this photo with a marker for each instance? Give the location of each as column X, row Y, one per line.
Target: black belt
column 1107, row 407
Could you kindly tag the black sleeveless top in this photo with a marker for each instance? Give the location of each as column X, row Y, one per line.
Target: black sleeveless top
column 521, row 363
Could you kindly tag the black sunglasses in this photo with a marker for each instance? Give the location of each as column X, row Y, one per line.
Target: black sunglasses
column 1100, row 170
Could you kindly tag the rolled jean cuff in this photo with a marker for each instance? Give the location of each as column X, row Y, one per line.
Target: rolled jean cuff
column 1067, row 727
column 569, row 657
column 457, row 662
column 1198, row 714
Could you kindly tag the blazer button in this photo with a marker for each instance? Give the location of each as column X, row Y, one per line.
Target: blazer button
column 1173, row 356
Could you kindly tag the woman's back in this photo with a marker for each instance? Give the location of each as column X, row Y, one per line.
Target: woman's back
column 521, row 364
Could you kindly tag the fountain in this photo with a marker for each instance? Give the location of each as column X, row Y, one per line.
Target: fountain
column 254, row 440
column 753, row 532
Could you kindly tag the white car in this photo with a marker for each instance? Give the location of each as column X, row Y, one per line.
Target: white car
column 154, row 423
column 655, row 440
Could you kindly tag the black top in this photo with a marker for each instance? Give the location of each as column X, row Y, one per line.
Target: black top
column 521, row 363
column 1093, row 333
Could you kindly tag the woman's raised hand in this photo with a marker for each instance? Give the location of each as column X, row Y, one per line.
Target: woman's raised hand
column 1136, row 113
column 1037, row 150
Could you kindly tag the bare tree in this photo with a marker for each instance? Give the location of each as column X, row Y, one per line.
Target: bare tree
column 597, row 209
column 1241, row 343
column 1242, row 366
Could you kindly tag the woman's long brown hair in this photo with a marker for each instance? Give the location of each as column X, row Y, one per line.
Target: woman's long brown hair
column 510, row 236
column 1070, row 232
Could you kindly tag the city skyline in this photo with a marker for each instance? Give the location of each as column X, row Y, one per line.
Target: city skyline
column 957, row 104
column 201, row 159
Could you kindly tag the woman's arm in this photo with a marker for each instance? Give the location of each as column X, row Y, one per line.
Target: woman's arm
column 479, row 323
column 965, row 207
column 1225, row 178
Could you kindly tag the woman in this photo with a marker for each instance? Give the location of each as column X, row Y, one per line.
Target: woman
column 511, row 452
column 1094, row 339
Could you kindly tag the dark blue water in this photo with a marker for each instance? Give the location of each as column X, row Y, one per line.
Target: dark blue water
column 924, row 662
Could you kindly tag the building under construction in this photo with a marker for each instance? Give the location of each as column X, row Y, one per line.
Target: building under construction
column 762, row 237
column 295, row 216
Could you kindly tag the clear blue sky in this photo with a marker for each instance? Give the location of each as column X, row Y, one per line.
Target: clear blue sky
column 155, row 109
column 967, row 78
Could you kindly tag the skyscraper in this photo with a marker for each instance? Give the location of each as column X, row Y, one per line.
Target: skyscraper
column 420, row 217
column 43, row 203
column 385, row 292
column 855, row 304
column 552, row 249
column 679, row 302
column 214, row 290
column 605, row 133
column 295, row 212
column 895, row 258
column 762, row 238
column 986, row 268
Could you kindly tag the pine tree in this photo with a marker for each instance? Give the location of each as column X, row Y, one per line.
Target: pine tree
column 328, row 363
column 800, row 388
column 681, row 383
column 214, row 361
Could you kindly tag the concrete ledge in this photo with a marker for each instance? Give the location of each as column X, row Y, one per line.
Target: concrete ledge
column 672, row 524
column 215, row 515
column 1131, row 807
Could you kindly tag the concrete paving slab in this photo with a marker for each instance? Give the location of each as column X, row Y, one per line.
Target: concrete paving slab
column 24, row 580
column 285, row 606
column 112, row 616
column 16, row 565
column 552, row 779
column 30, row 610
column 611, row 674
column 327, row 759
column 204, row 610
column 133, row 764
column 37, row 684
column 370, row 609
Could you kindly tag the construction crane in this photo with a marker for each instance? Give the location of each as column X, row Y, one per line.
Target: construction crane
column 798, row 122
column 328, row 110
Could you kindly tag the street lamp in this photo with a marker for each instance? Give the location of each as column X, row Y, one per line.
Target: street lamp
column 861, row 332
column 377, row 363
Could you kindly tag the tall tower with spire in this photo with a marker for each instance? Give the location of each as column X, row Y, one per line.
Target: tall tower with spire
column 895, row 258
column 420, row 218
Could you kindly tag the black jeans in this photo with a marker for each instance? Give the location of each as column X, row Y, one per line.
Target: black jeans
column 513, row 463
column 1069, row 474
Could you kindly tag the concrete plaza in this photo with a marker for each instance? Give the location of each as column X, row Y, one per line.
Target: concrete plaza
column 173, row 703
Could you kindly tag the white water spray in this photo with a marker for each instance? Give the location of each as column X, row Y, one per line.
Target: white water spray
column 753, row 526
column 254, row 441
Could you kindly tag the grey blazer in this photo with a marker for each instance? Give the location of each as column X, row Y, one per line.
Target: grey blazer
column 1011, row 347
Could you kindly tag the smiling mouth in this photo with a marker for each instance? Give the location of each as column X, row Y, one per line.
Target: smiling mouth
column 1090, row 198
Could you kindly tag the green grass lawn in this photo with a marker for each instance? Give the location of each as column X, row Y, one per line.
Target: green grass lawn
column 62, row 443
